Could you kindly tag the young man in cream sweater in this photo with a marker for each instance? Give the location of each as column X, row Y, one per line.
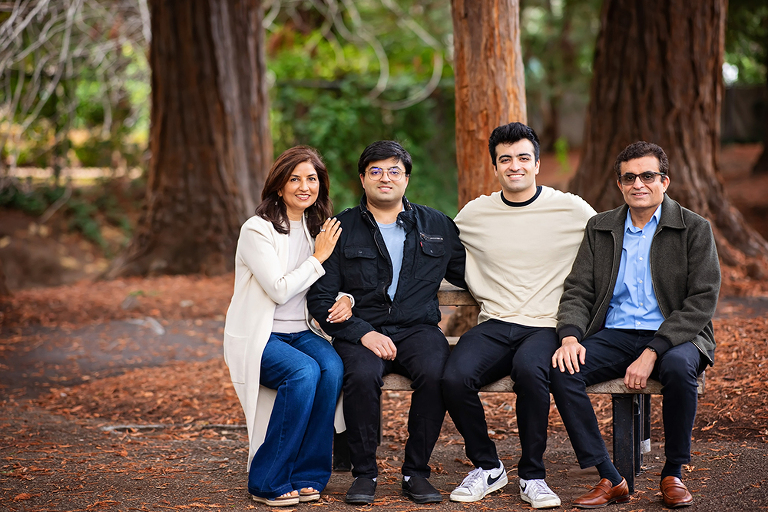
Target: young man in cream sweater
column 521, row 243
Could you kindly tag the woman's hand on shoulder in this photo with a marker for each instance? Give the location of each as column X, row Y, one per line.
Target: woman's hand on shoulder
column 326, row 239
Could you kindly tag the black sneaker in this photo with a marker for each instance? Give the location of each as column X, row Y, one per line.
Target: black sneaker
column 420, row 490
column 361, row 491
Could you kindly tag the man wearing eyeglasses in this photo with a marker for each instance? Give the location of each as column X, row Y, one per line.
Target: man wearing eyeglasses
column 392, row 256
column 638, row 304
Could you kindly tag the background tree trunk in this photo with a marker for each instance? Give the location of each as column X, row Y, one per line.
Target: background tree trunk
column 490, row 91
column 490, row 85
column 761, row 165
column 4, row 291
column 658, row 77
column 209, row 136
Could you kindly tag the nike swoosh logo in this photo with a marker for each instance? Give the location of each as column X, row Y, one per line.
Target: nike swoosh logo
column 492, row 481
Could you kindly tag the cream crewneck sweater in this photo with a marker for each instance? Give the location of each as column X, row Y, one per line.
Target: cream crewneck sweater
column 519, row 256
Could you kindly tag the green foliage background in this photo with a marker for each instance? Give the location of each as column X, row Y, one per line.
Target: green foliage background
column 323, row 78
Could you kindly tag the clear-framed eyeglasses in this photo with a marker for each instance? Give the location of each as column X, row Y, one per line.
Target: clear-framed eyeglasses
column 645, row 177
column 394, row 173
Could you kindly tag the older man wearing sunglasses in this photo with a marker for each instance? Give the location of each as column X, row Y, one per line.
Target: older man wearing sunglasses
column 638, row 304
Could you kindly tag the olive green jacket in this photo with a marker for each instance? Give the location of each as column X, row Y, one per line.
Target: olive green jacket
column 685, row 273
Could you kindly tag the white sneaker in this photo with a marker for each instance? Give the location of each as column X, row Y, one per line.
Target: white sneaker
column 538, row 494
column 479, row 483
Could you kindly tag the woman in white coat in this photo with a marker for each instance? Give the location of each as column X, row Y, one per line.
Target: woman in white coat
column 287, row 377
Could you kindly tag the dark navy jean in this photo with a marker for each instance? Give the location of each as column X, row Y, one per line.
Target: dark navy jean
column 609, row 354
column 297, row 450
column 484, row 354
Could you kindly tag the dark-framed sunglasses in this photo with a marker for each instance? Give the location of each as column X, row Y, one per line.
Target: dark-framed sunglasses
column 645, row 177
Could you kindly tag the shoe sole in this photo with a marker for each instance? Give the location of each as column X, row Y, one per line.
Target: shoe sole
column 421, row 499
column 306, row 498
column 286, row 502
column 549, row 504
column 358, row 499
column 471, row 499
column 678, row 505
column 620, row 499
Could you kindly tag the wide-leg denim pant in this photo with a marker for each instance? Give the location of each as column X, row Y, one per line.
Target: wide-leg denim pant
column 297, row 450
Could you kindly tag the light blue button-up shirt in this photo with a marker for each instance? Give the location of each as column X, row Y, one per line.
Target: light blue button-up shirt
column 634, row 305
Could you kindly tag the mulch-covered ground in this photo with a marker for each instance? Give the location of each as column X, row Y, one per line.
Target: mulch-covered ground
column 734, row 405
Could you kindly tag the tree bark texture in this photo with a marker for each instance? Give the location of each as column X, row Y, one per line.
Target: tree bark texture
column 490, row 85
column 658, row 77
column 490, row 91
column 209, row 137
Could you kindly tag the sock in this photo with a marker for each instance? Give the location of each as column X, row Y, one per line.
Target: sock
column 608, row 470
column 406, row 478
column 672, row 470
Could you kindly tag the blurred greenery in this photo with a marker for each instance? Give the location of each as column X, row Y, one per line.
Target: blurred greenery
column 85, row 208
column 558, row 39
column 746, row 40
column 324, row 89
column 335, row 86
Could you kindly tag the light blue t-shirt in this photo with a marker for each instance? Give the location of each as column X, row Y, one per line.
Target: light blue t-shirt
column 634, row 304
column 394, row 239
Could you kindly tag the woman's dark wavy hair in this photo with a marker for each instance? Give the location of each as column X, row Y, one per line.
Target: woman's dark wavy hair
column 272, row 207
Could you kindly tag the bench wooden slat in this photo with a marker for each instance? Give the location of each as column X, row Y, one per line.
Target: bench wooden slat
column 450, row 295
column 395, row 382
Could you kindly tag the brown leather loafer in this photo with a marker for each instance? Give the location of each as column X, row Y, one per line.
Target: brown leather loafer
column 675, row 493
column 603, row 494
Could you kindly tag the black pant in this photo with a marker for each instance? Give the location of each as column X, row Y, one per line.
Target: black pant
column 421, row 355
column 486, row 353
column 609, row 354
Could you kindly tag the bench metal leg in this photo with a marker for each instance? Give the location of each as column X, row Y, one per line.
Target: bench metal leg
column 341, row 460
column 646, row 438
column 638, row 418
column 625, row 407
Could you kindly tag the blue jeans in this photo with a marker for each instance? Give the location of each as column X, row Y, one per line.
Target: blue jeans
column 297, row 450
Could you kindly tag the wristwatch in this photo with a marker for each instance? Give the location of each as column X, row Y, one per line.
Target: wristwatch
column 651, row 349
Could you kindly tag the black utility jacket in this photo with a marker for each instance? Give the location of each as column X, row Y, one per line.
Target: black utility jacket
column 360, row 265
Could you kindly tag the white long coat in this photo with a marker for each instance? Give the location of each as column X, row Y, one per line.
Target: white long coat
column 261, row 283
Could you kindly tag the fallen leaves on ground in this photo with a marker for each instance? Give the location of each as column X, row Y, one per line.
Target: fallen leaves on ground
column 168, row 297
column 190, row 394
column 195, row 394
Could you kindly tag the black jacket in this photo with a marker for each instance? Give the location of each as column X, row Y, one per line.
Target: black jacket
column 360, row 265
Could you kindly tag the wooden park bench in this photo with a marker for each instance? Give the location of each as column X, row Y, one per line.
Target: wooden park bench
column 631, row 408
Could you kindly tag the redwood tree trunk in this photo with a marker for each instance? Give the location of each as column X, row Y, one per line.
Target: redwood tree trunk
column 658, row 77
column 490, row 91
column 4, row 291
column 209, row 136
column 490, row 85
column 761, row 165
